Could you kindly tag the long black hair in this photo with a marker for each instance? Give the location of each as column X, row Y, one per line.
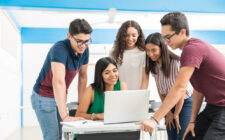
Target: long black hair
column 100, row 66
column 166, row 55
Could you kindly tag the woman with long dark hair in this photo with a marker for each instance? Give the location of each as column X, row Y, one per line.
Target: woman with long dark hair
column 106, row 79
column 129, row 54
column 164, row 67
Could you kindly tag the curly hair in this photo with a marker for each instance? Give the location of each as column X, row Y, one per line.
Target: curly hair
column 120, row 42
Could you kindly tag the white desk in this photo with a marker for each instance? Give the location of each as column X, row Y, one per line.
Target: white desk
column 97, row 130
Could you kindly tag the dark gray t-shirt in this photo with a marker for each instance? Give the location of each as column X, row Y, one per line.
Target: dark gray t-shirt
column 209, row 75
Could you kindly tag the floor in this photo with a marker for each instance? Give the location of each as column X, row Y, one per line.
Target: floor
column 34, row 133
column 26, row 133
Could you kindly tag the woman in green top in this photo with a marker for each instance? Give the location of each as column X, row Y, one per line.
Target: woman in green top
column 106, row 79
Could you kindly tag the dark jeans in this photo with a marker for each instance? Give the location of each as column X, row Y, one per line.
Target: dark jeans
column 210, row 124
column 184, row 118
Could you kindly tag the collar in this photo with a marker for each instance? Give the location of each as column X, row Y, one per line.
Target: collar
column 71, row 50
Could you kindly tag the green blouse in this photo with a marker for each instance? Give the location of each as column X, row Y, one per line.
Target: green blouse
column 99, row 100
column 98, row 105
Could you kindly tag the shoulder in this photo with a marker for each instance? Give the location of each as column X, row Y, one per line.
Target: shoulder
column 89, row 91
column 194, row 45
column 60, row 47
column 90, row 88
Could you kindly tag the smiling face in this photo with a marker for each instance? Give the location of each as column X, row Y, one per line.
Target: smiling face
column 170, row 37
column 79, row 42
column 110, row 75
column 131, row 37
column 153, row 51
column 173, row 39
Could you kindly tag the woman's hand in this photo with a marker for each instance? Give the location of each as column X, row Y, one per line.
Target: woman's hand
column 190, row 127
column 177, row 122
column 169, row 120
column 99, row 116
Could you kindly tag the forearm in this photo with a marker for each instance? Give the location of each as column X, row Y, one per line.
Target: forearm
column 178, row 107
column 60, row 97
column 82, row 83
column 145, row 79
column 144, row 83
column 162, row 98
column 196, row 105
column 84, row 115
column 98, row 116
column 171, row 99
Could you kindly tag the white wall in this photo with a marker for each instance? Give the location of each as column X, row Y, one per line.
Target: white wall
column 9, row 76
column 33, row 59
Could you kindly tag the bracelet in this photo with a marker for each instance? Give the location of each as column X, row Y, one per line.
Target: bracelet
column 154, row 120
column 64, row 117
column 192, row 122
column 92, row 116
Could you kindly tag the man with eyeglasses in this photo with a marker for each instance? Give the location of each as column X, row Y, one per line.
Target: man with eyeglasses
column 203, row 65
column 64, row 61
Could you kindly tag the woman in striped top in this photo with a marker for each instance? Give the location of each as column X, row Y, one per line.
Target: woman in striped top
column 164, row 66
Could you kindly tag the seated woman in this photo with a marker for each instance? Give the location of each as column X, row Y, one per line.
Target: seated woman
column 106, row 79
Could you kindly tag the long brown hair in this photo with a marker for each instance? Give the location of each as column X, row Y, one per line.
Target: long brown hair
column 166, row 55
column 120, row 42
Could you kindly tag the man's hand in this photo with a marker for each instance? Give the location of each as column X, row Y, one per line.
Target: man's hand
column 148, row 125
column 169, row 120
column 67, row 119
column 190, row 127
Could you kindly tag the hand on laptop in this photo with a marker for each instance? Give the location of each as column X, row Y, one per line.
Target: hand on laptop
column 148, row 125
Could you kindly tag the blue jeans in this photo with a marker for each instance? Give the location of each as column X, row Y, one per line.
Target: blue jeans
column 184, row 118
column 48, row 116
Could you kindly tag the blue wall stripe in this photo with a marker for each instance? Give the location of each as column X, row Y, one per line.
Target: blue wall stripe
column 21, row 89
column 106, row 36
column 205, row 6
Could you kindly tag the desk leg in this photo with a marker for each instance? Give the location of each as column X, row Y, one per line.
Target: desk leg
column 67, row 135
column 111, row 136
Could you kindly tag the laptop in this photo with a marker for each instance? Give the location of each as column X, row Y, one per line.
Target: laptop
column 126, row 106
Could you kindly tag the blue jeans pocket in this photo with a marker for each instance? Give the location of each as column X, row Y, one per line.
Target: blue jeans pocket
column 48, row 107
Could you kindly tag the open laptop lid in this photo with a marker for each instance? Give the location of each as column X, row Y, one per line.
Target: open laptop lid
column 126, row 106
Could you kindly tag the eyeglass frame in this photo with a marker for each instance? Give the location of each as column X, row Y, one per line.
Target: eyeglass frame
column 81, row 42
column 170, row 36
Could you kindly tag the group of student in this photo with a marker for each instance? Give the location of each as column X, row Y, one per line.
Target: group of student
column 131, row 60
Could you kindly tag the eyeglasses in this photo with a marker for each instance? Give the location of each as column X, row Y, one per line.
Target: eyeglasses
column 81, row 42
column 168, row 37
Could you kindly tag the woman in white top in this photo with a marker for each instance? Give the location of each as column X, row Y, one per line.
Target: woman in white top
column 164, row 66
column 129, row 54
